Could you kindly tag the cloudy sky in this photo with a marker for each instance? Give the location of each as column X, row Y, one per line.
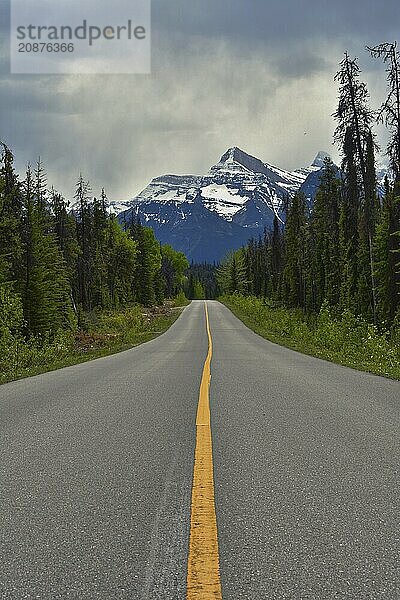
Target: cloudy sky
column 257, row 74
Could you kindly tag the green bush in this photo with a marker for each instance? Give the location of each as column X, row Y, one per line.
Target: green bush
column 22, row 357
column 114, row 321
column 11, row 315
column 180, row 300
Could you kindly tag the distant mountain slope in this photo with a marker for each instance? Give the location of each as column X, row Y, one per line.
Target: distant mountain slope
column 206, row 216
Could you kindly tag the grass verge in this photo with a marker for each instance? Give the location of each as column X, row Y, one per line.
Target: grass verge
column 347, row 341
column 104, row 333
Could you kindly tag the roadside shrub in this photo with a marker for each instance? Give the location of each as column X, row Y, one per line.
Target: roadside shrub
column 180, row 300
column 347, row 339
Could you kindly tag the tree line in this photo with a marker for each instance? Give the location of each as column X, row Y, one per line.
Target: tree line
column 202, row 281
column 57, row 263
column 345, row 250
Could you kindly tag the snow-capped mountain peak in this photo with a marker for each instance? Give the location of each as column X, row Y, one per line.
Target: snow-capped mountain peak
column 319, row 159
column 206, row 216
column 236, row 160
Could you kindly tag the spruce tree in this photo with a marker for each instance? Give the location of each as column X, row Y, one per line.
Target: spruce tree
column 385, row 264
column 394, row 251
column 148, row 263
column 325, row 233
column 389, row 114
column 294, row 291
column 276, row 260
column 11, row 205
column 121, row 264
column 390, row 109
column 348, row 224
column 65, row 229
column 84, row 236
column 45, row 290
column 11, row 250
column 173, row 267
column 353, row 114
column 366, row 298
column 99, row 251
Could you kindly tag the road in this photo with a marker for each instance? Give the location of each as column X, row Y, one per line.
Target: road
column 97, row 464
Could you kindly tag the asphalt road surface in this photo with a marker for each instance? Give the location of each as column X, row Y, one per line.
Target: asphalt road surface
column 96, row 468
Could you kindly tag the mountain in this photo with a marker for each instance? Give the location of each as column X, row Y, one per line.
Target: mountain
column 207, row 216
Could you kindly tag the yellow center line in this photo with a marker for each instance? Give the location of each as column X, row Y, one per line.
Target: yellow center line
column 203, row 580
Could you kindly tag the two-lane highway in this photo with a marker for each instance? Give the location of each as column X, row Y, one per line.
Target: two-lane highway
column 97, row 462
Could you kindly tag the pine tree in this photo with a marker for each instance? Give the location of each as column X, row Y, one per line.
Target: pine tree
column 353, row 114
column 148, row 262
column 65, row 229
column 394, row 251
column 263, row 252
column 99, row 251
column 45, row 289
column 348, row 224
column 173, row 267
column 389, row 114
column 40, row 184
column 168, row 274
column 11, row 312
column 10, row 219
column 250, row 267
column 385, row 264
column 390, row 109
column 366, row 300
column 121, row 264
column 294, row 281
column 190, row 291
column 276, row 260
column 234, row 275
column 325, row 233
column 84, row 236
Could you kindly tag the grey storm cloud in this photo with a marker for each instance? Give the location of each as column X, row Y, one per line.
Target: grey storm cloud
column 250, row 73
column 278, row 22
